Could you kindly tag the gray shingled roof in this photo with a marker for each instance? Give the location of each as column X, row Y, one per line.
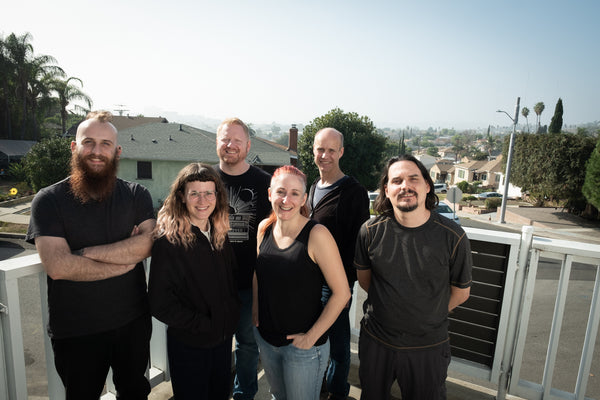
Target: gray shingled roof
column 16, row 147
column 179, row 142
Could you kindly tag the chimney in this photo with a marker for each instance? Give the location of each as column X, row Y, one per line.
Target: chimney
column 293, row 140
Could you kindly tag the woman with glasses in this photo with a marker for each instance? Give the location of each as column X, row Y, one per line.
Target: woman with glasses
column 192, row 287
column 295, row 257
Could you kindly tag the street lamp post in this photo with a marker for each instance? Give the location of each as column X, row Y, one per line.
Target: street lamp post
column 509, row 159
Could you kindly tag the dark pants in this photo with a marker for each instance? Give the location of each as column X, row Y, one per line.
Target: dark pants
column 339, row 339
column 83, row 362
column 421, row 374
column 199, row 373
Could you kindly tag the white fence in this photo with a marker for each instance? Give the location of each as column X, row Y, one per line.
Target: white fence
column 511, row 346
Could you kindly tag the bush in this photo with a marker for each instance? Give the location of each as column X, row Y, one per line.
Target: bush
column 463, row 186
column 493, row 203
column 469, row 198
column 48, row 162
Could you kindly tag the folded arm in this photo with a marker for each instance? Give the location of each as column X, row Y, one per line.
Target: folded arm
column 131, row 250
column 59, row 263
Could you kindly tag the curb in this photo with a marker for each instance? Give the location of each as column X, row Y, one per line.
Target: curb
column 11, row 235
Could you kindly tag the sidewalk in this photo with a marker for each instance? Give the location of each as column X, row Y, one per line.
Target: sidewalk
column 547, row 222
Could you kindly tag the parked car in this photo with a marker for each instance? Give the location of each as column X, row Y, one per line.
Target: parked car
column 488, row 195
column 440, row 187
column 446, row 211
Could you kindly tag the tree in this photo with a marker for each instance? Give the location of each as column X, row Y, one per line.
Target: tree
column 364, row 148
column 551, row 166
column 525, row 113
column 539, row 109
column 557, row 118
column 48, row 162
column 67, row 93
column 433, row 151
column 591, row 185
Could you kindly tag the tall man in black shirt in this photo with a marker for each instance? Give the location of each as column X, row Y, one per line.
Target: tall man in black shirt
column 247, row 188
column 415, row 266
column 341, row 204
column 92, row 230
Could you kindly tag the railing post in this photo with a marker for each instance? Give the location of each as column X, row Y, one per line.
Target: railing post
column 515, row 311
column 56, row 390
column 14, row 358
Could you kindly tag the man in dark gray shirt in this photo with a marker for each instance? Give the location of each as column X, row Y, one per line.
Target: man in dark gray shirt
column 416, row 267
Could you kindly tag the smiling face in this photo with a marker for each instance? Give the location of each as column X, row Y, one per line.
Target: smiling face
column 327, row 149
column 95, row 146
column 406, row 187
column 233, row 144
column 200, row 200
column 287, row 195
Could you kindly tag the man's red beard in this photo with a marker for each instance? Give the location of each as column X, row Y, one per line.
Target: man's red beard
column 88, row 184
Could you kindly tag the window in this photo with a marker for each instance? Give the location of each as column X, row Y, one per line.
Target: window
column 461, row 173
column 144, row 170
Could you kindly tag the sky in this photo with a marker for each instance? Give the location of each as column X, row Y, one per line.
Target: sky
column 440, row 64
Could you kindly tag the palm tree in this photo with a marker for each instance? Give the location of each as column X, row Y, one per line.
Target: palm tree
column 19, row 50
column 5, row 72
column 28, row 74
column 40, row 89
column 539, row 109
column 67, row 93
column 525, row 113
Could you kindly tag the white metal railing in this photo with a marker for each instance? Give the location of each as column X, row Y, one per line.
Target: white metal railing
column 13, row 383
column 524, row 257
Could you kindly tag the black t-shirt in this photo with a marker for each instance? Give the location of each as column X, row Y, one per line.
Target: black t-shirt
column 83, row 308
column 289, row 288
column 248, row 205
column 412, row 270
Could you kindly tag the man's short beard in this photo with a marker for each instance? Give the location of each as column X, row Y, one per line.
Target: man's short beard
column 407, row 208
column 88, row 184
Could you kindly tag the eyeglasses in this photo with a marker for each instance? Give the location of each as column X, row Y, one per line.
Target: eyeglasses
column 208, row 195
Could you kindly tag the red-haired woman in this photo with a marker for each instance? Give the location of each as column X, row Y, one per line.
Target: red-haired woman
column 192, row 287
column 295, row 256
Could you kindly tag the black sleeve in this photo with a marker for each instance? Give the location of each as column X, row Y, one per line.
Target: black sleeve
column 355, row 214
column 45, row 217
column 361, row 256
column 166, row 288
column 462, row 264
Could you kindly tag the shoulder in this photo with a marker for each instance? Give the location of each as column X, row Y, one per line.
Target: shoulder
column 352, row 187
column 132, row 188
column 448, row 226
column 258, row 173
column 59, row 189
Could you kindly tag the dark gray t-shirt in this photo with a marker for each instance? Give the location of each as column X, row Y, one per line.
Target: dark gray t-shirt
column 84, row 308
column 412, row 270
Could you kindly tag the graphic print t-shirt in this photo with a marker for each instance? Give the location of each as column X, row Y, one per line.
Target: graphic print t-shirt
column 248, row 205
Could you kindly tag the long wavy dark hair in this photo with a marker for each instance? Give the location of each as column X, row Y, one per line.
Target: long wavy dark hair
column 382, row 204
column 173, row 218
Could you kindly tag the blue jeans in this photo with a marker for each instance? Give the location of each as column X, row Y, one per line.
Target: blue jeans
column 293, row 373
column 245, row 384
column 339, row 337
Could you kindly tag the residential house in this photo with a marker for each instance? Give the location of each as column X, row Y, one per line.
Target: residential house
column 439, row 172
column 465, row 171
column 487, row 172
column 490, row 173
column 154, row 153
column 13, row 150
column 122, row 122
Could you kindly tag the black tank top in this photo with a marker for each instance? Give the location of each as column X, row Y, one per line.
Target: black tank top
column 289, row 288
